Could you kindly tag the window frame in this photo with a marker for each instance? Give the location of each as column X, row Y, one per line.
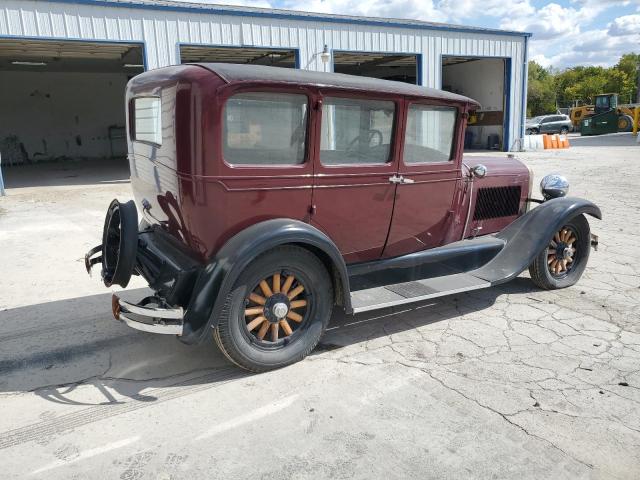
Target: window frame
column 234, row 90
column 453, row 154
column 397, row 105
column 134, row 115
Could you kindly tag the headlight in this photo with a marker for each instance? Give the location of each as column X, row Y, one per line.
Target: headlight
column 554, row 186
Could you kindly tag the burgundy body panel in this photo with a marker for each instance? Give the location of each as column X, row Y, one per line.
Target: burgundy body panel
column 187, row 186
column 425, row 213
column 502, row 172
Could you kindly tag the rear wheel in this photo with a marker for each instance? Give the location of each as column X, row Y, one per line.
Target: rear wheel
column 625, row 123
column 277, row 310
column 563, row 261
column 564, row 130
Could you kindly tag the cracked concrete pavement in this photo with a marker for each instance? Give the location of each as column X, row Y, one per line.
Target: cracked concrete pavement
column 498, row 383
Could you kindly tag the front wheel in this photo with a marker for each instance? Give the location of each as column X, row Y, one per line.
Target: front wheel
column 563, row 261
column 277, row 310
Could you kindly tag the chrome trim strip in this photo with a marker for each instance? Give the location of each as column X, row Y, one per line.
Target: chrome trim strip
column 172, row 329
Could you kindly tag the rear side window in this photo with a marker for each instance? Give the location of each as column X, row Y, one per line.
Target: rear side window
column 147, row 120
column 265, row 128
column 429, row 134
column 356, row 131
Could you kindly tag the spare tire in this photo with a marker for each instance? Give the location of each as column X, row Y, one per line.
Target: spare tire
column 119, row 243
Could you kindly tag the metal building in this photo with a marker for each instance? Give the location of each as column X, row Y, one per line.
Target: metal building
column 64, row 64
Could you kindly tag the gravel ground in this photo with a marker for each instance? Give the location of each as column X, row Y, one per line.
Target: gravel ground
column 499, row 383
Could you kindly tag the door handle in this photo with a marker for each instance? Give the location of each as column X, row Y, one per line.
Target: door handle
column 400, row 179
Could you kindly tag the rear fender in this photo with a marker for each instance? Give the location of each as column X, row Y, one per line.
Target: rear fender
column 219, row 275
column 527, row 236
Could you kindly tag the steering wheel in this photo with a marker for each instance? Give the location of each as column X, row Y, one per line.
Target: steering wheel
column 371, row 133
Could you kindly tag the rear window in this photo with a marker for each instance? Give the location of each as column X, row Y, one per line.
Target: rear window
column 147, row 120
column 356, row 131
column 429, row 135
column 265, row 128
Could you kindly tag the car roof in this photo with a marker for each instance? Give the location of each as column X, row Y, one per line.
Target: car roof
column 232, row 72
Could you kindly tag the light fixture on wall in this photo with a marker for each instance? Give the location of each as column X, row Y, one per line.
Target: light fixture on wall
column 325, row 56
column 30, row 64
column 133, row 65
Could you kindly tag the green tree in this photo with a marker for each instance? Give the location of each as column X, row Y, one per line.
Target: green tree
column 628, row 64
column 540, row 92
column 579, row 85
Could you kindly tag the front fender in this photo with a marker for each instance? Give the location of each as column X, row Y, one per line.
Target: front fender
column 219, row 275
column 528, row 235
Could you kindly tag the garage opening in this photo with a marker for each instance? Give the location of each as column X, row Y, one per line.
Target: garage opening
column 482, row 79
column 256, row 56
column 63, row 115
column 402, row 68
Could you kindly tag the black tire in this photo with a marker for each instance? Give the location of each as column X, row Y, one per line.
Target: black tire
column 241, row 345
column 564, row 130
column 540, row 270
column 625, row 123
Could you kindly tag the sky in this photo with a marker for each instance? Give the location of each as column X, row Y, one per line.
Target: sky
column 565, row 32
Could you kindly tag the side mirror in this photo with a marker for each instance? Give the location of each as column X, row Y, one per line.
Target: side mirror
column 479, row 171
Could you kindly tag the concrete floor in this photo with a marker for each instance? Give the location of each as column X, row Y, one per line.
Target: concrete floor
column 510, row 382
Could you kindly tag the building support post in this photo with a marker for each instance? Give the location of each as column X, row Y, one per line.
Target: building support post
column 2, row 192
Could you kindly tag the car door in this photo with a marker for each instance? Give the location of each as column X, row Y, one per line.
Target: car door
column 355, row 158
column 429, row 177
column 546, row 125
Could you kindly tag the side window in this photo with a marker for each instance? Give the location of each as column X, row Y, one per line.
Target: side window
column 429, row 134
column 265, row 128
column 147, row 116
column 356, row 131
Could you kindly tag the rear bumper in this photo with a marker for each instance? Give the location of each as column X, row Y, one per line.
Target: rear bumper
column 170, row 269
column 168, row 321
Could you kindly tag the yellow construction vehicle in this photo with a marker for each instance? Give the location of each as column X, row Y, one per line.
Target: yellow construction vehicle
column 606, row 102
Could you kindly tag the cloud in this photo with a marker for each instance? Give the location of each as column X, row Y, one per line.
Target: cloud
column 551, row 21
column 627, row 25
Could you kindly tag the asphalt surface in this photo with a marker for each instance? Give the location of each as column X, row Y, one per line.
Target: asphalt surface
column 509, row 382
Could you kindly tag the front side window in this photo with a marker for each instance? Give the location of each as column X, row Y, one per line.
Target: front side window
column 147, row 120
column 429, row 134
column 265, row 128
column 356, row 131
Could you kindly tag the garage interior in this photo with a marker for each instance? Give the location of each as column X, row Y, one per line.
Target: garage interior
column 256, row 56
column 63, row 109
column 402, row 68
column 482, row 79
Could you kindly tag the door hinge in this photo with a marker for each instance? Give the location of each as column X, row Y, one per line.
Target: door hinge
column 312, row 209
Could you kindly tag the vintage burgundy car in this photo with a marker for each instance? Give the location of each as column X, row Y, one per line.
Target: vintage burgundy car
column 269, row 195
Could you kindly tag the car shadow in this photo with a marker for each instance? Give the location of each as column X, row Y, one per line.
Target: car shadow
column 57, row 349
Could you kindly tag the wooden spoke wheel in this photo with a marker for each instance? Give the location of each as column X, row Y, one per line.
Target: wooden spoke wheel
column 277, row 310
column 562, row 261
column 276, row 307
column 561, row 251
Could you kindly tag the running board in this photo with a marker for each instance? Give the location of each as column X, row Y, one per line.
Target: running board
column 416, row 291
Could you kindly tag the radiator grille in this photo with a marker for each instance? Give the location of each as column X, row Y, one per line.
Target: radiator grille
column 494, row 202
